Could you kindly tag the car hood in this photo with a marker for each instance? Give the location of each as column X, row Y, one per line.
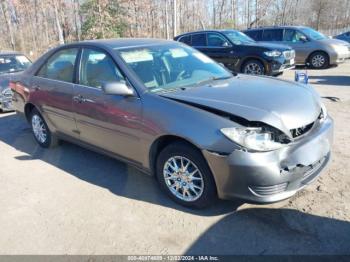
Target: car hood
column 271, row 46
column 332, row 41
column 282, row 104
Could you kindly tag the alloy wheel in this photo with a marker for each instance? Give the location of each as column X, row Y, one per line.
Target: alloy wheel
column 318, row 61
column 39, row 129
column 183, row 178
column 253, row 69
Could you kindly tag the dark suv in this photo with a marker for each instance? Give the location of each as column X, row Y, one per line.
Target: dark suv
column 240, row 53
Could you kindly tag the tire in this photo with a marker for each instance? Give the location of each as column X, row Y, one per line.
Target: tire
column 319, row 60
column 253, row 67
column 41, row 131
column 200, row 188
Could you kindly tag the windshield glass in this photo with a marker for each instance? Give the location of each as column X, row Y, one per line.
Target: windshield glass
column 165, row 67
column 13, row 63
column 313, row 34
column 238, row 38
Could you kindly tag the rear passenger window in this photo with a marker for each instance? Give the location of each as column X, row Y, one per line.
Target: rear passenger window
column 60, row 66
column 272, row 35
column 255, row 34
column 185, row 39
column 199, row 40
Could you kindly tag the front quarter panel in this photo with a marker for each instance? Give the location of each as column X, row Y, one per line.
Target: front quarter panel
column 164, row 116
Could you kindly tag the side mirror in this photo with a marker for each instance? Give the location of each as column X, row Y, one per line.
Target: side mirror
column 117, row 88
column 303, row 38
column 226, row 44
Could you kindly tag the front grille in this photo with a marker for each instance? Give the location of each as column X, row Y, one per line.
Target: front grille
column 268, row 190
column 289, row 54
column 297, row 132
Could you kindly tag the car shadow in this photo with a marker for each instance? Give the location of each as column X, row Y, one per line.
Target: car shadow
column 330, row 80
column 100, row 170
column 258, row 231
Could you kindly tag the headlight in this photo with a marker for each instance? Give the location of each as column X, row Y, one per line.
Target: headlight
column 7, row 92
column 341, row 49
column 324, row 112
column 253, row 138
column 274, row 53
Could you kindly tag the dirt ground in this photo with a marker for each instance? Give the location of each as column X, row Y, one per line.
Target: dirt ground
column 69, row 200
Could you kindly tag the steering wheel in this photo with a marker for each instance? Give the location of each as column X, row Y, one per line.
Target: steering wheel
column 182, row 75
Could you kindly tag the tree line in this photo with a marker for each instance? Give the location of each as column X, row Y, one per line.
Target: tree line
column 33, row 26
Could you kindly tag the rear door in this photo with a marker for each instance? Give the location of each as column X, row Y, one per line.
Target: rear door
column 110, row 122
column 53, row 85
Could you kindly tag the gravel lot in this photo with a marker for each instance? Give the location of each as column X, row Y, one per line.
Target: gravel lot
column 69, row 200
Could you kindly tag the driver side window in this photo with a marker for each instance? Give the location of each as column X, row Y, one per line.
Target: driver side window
column 216, row 40
column 291, row 35
column 97, row 68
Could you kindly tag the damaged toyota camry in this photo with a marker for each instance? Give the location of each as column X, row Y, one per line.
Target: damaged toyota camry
column 204, row 132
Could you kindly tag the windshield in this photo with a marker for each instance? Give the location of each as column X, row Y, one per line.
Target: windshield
column 313, row 34
column 165, row 67
column 238, row 38
column 13, row 63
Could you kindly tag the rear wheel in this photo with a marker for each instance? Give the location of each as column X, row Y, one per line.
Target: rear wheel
column 253, row 67
column 41, row 131
column 319, row 60
column 185, row 176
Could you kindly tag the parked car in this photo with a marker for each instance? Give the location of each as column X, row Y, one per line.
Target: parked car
column 240, row 53
column 311, row 47
column 344, row 36
column 10, row 64
column 172, row 111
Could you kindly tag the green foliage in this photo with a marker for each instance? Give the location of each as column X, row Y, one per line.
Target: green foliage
column 102, row 19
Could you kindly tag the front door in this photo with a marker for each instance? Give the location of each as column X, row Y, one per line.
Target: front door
column 110, row 122
column 293, row 38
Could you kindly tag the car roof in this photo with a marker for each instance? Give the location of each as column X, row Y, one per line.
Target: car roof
column 276, row 27
column 208, row 31
column 119, row 43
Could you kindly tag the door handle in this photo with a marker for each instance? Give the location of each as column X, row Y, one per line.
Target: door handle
column 78, row 99
column 36, row 87
column 81, row 99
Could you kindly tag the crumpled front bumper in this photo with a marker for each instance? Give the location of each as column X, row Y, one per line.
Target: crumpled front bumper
column 266, row 177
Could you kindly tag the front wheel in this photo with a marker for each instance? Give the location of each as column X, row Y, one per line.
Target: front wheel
column 185, row 176
column 41, row 131
column 253, row 67
column 319, row 60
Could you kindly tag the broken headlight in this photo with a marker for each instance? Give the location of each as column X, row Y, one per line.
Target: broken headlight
column 253, row 138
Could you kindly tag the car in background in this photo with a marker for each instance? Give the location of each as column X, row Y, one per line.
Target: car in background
column 311, row 47
column 175, row 113
column 11, row 63
column 240, row 53
column 344, row 36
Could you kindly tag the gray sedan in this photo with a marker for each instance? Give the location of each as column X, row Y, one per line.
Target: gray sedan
column 173, row 112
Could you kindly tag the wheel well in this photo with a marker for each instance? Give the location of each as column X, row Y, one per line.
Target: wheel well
column 160, row 144
column 250, row 59
column 317, row 51
column 28, row 109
